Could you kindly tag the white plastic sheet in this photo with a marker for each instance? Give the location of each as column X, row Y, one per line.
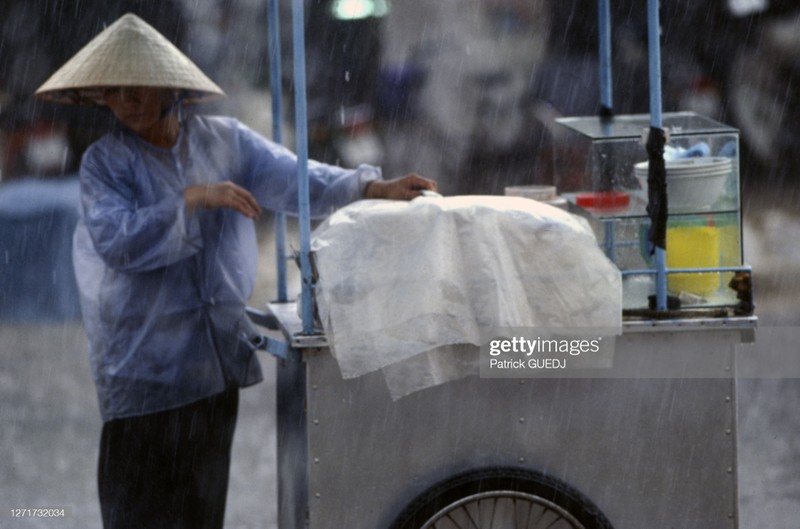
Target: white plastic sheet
column 398, row 280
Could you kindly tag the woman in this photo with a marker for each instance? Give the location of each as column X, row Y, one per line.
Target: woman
column 165, row 257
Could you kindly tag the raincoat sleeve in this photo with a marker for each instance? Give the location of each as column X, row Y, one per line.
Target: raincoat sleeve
column 131, row 230
column 273, row 178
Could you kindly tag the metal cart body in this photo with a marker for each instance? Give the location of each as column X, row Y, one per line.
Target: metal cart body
column 649, row 451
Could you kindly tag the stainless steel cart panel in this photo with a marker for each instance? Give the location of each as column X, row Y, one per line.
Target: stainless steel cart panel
column 649, row 452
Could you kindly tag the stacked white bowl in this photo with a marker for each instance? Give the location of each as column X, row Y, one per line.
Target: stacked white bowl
column 693, row 184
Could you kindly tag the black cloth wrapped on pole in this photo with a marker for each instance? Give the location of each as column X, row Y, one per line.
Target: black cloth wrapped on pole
column 657, row 189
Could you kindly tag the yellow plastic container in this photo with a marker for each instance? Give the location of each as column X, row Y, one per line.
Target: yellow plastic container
column 693, row 245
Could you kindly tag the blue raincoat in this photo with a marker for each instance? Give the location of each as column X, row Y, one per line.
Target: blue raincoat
column 163, row 293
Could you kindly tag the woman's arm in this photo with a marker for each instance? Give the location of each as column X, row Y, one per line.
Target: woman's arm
column 129, row 235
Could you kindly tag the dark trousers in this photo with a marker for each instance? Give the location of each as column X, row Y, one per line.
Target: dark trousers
column 168, row 469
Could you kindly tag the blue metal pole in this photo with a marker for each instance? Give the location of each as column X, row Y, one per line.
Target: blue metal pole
column 301, row 131
column 656, row 121
column 604, row 21
column 607, row 165
column 654, row 53
column 274, row 46
column 610, row 240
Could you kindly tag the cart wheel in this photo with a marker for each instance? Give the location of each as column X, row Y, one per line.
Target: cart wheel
column 509, row 498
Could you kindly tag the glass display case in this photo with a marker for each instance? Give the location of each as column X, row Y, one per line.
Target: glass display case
column 601, row 168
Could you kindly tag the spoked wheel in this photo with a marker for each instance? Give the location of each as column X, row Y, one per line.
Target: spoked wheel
column 501, row 498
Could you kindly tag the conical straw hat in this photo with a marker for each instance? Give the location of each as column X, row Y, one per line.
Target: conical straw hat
column 129, row 52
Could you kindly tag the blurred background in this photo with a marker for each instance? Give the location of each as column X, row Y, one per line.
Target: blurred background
column 462, row 91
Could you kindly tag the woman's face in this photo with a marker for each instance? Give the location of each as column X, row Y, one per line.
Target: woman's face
column 139, row 108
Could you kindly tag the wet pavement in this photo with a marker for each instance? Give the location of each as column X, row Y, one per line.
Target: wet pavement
column 768, row 416
column 50, row 424
column 51, row 428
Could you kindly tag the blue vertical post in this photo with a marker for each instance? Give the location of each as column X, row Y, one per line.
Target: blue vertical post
column 656, row 121
column 654, row 55
column 301, row 131
column 607, row 164
column 604, row 23
column 274, row 46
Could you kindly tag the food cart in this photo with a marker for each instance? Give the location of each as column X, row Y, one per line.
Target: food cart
column 650, row 441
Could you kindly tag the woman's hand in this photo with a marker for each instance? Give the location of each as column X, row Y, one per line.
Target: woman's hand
column 222, row 195
column 403, row 188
